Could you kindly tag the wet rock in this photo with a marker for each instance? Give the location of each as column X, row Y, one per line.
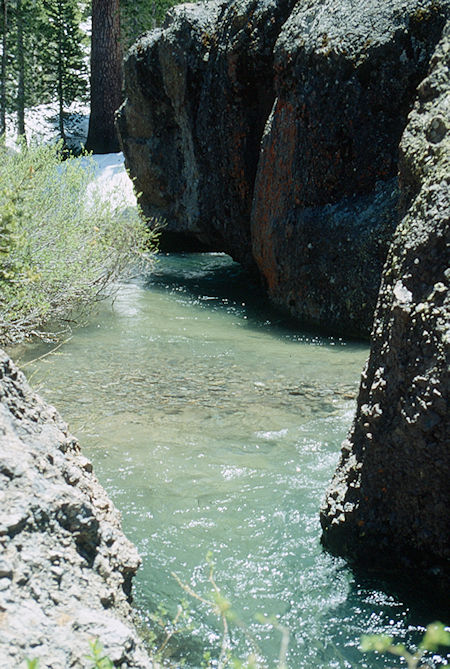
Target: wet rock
column 269, row 129
column 63, row 582
column 392, row 480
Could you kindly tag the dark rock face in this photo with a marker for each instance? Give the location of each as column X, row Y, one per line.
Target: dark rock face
column 65, row 565
column 324, row 201
column 198, row 94
column 236, row 98
column 269, row 129
column 388, row 502
column 163, row 71
column 324, row 263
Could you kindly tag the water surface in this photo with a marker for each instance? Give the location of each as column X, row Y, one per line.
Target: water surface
column 215, row 425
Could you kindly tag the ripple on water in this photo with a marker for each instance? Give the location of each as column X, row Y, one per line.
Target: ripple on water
column 215, row 425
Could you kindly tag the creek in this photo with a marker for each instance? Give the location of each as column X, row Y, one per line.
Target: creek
column 215, row 425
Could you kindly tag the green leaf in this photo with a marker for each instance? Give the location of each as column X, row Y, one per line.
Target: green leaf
column 436, row 635
column 378, row 642
column 398, row 649
column 99, row 660
column 32, row 664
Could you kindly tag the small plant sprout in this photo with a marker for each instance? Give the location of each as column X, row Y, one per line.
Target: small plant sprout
column 98, row 658
column 435, row 635
column 179, row 624
column 32, row 664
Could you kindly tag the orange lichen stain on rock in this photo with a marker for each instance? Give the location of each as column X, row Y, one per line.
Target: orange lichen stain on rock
column 274, row 191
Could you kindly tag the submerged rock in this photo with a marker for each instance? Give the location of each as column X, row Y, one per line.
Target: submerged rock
column 65, row 565
column 387, row 505
column 269, row 129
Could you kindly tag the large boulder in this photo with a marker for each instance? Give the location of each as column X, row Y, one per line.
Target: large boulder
column 198, row 94
column 325, row 195
column 236, row 98
column 269, row 129
column 65, row 565
column 387, row 505
column 163, row 80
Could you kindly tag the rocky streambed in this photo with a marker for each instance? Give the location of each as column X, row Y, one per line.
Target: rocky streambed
column 309, row 140
column 306, row 106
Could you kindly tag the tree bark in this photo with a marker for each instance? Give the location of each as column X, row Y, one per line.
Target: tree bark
column 106, row 76
column 60, row 75
column 3, row 72
column 21, row 73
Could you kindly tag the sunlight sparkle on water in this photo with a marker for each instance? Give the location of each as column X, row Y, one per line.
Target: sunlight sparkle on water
column 215, row 425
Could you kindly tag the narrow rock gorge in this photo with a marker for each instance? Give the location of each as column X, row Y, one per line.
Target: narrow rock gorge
column 269, row 129
column 280, row 133
column 65, row 567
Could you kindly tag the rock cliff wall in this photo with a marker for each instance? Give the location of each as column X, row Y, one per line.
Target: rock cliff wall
column 269, row 129
column 65, row 565
column 388, row 503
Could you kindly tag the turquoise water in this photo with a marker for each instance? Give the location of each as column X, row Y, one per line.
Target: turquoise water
column 215, row 425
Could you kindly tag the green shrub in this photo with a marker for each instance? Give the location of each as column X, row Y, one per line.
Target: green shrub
column 62, row 246
column 435, row 635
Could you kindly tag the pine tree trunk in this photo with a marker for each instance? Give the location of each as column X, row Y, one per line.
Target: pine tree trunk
column 21, row 73
column 3, row 73
column 60, row 87
column 60, row 74
column 106, row 76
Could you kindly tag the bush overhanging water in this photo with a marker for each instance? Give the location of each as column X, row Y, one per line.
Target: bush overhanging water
column 62, row 246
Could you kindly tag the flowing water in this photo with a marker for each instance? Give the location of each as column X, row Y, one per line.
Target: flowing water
column 215, row 426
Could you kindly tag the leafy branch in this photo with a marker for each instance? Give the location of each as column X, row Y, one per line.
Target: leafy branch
column 435, row 635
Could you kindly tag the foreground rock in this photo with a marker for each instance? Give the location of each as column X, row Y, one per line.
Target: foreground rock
column 65, row 565
column 388, row 502
column 269, row 129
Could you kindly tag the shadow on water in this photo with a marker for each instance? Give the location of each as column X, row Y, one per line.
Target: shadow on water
column 216, row 282
column 425, row 605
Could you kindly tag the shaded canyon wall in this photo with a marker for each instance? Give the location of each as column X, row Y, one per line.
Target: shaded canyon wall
column 387, row 505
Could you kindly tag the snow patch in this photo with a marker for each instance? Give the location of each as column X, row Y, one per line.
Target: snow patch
column 41, row 124
column 111, row 180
